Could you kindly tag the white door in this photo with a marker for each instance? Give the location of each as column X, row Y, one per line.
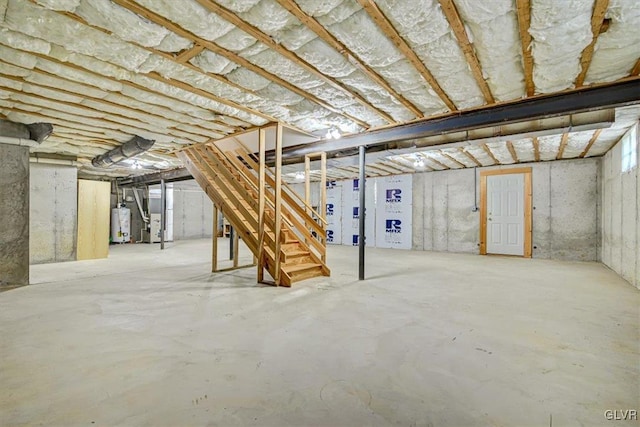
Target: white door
column 505, row 214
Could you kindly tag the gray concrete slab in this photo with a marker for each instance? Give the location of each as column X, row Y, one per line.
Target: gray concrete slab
column 149, row 337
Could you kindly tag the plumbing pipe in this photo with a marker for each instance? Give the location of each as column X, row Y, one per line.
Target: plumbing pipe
column 44, row 160
column 18, row 141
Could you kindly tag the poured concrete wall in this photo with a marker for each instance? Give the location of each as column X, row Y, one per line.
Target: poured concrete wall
column 620, row 217
column 192, row 211
column 14, row 215
column 565, row 216
column 54, row 213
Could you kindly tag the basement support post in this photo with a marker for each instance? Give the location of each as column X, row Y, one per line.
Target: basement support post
column 261, row 196
column 232, row 241
column 278, row 204
column 214, row 241
column 163, row 210
column 361, row 209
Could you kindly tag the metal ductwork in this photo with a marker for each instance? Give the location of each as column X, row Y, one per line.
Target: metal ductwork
column 131, row 148
column 21, row 134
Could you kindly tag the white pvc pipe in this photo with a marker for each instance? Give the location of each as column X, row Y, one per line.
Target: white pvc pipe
column 52, row 161
column 18, row 141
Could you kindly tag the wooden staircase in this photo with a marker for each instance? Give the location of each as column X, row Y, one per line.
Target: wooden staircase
column 231, row 179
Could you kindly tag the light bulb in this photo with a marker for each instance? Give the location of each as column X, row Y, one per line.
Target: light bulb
column 300, row 175
column 419, row 163
column 328, row 135
column 335, row 134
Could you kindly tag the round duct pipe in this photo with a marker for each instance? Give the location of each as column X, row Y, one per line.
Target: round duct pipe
column 131, row 148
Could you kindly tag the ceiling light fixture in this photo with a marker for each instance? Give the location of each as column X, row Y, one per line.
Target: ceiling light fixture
column 136, row 165
column 299, row 175
column 332, row 134
column 419, row 163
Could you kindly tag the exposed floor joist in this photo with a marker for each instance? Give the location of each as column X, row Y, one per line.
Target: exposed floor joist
column 533, row 108
column 636, row 68
column 512, row 151
column 434, row 161
column 189, row 54
column 536, row 149
column 597, row 18
column 470, row 156
column 328, row 38
column 524, row 21
column 593, row 139
column 563, row 145
column 452, row 15
column 392, row 34
column 182, row 60
column 487, row 150
column 201, row 131
column 277, row 47
column 452, row 159
column 163, row 22
column 136, row 85
column 107, row 116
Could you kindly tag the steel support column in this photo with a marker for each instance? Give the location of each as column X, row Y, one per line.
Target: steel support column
column 163, row 211
column 362, row 213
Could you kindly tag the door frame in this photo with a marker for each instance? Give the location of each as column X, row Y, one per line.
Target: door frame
column 528, row 224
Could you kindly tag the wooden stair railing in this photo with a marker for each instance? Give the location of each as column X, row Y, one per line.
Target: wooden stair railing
column 231, row 181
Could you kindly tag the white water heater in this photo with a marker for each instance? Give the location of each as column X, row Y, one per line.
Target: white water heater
column 120, row 225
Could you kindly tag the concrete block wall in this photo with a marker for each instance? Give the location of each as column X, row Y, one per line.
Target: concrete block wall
column 53, row 213
column 566, row 200
column 192, row 211
column 620, row 247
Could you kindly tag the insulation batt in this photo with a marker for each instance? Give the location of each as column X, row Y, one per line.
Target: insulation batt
column 213, row 63
column 57, row 83
column 128, row 26
column 324, row 57
column 576, row 143
column 617, row 50
column 460, row 157
column 499, row 52
column 296, row 36
column 549, row 146
column 29, row 18
column 524, row 149
column 248, row 79
column 269, row 17
column 25, row 61
column 425, row 28
column 480, row 155
column 190, row 16
column 501, row 152
column 440, row 158
column 560, row 31
column 12, row 84
column 99, row 67
column 63, row 5
column 236, row 40
column 23, row 42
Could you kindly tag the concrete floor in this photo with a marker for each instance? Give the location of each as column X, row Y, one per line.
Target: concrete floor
column 430, row 339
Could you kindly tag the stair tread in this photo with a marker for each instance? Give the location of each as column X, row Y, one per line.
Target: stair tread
column 292, row 268
column 298, row 252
